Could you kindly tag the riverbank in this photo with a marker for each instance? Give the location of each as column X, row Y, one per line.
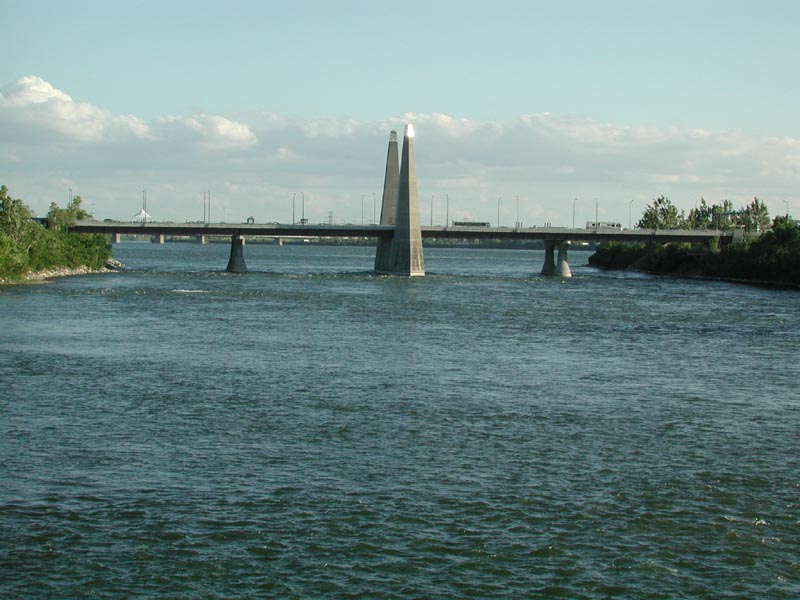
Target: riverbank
column 46, row 274
column 773, row 259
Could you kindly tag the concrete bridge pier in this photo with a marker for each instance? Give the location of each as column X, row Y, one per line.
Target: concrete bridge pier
column 236, row 262
column 405, row 257
column 278, row 241
column 200, row 239
column 157, row 238
column 562, row 266
column 116, row 238
column 391, row 186
column 549, row 267
column 552, row 267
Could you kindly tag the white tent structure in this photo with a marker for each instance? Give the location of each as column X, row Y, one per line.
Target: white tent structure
column 141, row 217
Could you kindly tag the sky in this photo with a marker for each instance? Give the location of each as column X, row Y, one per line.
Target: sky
column 542, row 111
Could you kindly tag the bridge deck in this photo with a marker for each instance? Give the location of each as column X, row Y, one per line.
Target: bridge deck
column 378, row 231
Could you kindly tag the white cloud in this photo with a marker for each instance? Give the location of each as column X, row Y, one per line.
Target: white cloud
column 214, row 131
column 255, row 162
column 32, row 107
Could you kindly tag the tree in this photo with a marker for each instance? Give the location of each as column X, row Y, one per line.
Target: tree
column 662, row 214
column 62, row 218
column 701, row 216
column 754, row 216
column 25, row 245
column 15, row 217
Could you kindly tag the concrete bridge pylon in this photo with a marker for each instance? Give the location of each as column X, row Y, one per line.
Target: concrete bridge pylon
column 549, row 267
column 406, row 257
column 559, row 268
column 236, row 262
column 562, row 266
column 391, row 187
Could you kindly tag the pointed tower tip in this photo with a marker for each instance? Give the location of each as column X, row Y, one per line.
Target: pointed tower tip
column 409, row 131
column 392, row 136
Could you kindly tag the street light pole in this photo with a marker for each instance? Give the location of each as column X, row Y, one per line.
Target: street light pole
column 630, row 205
column 447, row 219
column 303, row 208
column 517, row 212
column 596, row 217
column 573, row 212
column 294, row 196
column 431, row 210
column 362, row 209
column 498, row 210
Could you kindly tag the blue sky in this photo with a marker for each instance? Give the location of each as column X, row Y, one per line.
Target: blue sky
column 654, row 97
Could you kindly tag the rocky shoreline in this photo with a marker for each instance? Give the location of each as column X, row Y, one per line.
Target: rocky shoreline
column 47, row 274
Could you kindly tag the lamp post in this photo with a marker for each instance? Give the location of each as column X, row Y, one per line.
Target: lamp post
column 294, row 196
column 431, row 210
column 596, row 217
column 447, row 218
column 518, row 224
column 498, row 210
column 573, row 212
column 302, row 208
column 362, row 209
column 630, row 206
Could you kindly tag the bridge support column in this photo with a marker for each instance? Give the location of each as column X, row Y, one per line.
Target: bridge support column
column 405, row 256
column 200, row 239
column 391, row 186
column 549, row 267
column 157, row 238
column 562, row 266
column 278, row 241
column 236, row 262
column 116, row 238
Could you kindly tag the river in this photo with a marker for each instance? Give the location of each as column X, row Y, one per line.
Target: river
column 310, row 430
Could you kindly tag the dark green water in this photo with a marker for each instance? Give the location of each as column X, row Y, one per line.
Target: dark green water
column 312, row 430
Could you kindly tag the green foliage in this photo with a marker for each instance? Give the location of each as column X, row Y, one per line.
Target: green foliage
column 62, row 218
column 617, row 255
column 773, row 257
column 15, row 217
column 26, row 245
column 710, row 216
column 662, row 214
column 753, row 217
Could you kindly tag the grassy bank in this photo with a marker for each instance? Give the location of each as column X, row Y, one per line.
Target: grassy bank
column 772, row 258
column 28, row 246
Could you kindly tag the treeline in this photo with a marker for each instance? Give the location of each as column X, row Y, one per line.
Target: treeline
column 26, row 245
column 772, row 257
column 662, row 214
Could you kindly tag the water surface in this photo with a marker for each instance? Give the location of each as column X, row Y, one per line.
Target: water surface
column 310, row 429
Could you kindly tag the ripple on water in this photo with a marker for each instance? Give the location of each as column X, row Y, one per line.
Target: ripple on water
column 314, row 430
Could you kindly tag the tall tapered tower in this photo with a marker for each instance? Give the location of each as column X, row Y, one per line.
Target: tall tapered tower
column 391, row 183
column 406, row 256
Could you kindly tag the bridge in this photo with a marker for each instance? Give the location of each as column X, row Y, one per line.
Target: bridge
column 399, row 235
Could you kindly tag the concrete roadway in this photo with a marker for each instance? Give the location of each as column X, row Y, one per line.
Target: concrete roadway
column 296, row 230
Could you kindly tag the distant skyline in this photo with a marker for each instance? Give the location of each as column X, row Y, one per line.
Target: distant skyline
column 554, row 103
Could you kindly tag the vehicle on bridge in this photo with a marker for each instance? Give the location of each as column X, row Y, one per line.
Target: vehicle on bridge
column 471, row 224
column 604, row 225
